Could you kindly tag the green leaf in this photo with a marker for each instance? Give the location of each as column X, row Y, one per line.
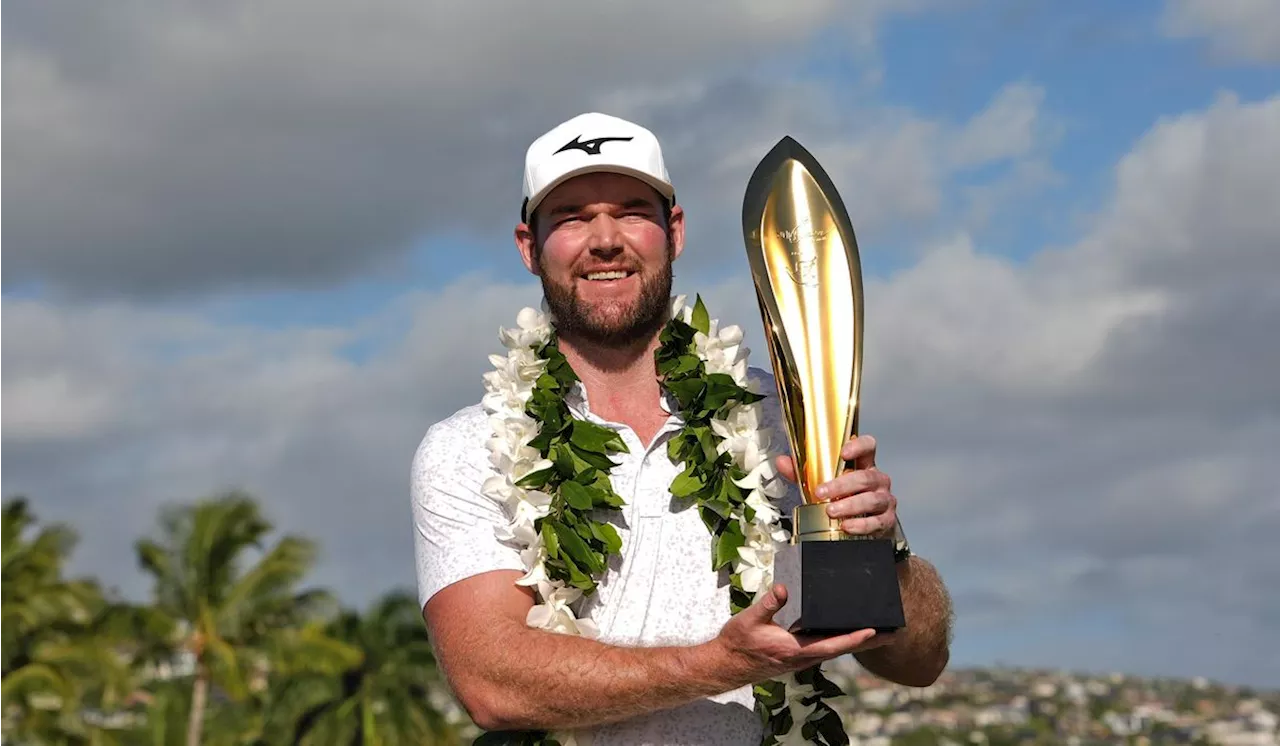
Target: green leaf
column 771, row 693
column 591, row 437
column 547, row 381
column 710, row 519
column 609, row 535
column 826, row 687
column 686, row 392
column 708, row 441
column 576, row 495
column 678, row 447
column 718, row 506
column 536, row 480
column 686, row 483
column 563, row 457
column 550, row 540
column 686, row 364
column 597, row 460
column 728, row 543
column 830, row 726
column 701, row 319
column 564, row 568
column 577, row 548
column 608, row 498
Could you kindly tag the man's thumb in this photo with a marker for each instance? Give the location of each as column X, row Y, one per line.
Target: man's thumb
column 771, row 603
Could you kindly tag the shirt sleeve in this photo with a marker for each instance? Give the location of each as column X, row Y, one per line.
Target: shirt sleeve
column 453, row 520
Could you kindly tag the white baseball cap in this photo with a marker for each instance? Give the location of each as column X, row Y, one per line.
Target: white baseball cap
column 590, row 143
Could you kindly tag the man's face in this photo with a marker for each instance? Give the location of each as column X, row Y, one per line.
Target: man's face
column 604, row 252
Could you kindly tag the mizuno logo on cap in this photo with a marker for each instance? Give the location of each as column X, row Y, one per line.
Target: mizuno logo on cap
column 590, row 147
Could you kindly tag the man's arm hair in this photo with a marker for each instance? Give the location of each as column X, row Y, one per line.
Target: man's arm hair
column 509, row 676
column 920, row 652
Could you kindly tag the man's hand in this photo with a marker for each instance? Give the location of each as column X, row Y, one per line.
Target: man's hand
column 765, row 650
column 860, row 496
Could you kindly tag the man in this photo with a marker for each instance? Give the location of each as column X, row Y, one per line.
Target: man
column 600, row 227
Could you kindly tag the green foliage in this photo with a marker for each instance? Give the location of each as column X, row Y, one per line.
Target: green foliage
column 578, row 543
column 282, row 665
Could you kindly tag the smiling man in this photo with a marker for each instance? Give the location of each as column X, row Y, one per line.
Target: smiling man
column 654, row 655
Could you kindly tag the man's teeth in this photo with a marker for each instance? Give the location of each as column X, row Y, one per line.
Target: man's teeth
column 606, row 275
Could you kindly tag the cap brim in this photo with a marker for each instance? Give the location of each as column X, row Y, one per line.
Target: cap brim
column 666, row 190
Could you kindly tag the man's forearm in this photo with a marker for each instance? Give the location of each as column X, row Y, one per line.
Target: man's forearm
column 544, row 681
column 920, row 652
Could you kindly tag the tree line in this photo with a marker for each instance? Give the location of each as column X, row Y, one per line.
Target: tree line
column 230, row 649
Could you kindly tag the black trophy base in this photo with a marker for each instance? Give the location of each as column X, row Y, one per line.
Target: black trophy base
column 849, row 585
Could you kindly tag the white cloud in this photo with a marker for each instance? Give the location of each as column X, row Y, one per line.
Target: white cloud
column 1236, row 29
column 1006, row 129
column 158, row 148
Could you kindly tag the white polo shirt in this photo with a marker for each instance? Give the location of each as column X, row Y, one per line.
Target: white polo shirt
column 659, row 591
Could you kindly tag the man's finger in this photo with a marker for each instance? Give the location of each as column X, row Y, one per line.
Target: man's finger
column 867, row 503
column 861, row 451
column 830, row 647
column 870, row 525
column 786, row 467
column 853, row 483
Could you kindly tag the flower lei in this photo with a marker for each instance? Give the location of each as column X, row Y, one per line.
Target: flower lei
column 551, row 473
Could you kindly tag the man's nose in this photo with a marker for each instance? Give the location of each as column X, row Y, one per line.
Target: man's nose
column 605, row 240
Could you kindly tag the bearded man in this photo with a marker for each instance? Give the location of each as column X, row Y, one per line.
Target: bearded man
column 663, row 661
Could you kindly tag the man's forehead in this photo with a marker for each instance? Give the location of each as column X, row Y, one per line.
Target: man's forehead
column 593, row 188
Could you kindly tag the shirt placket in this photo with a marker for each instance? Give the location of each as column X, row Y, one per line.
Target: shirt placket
column 622, row 619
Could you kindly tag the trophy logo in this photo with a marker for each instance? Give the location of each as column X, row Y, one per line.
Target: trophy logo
column 807, row 274
column 804, row 262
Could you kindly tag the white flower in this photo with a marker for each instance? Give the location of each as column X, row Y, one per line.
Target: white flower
column 499, row 488
column 795, row 690
column 761, row 534
column 764, row 510
column 679, row 310
column 505, row 393
column 535, row 503
column 532, row 328
column 519, row 533
column 518, row 462
column 572, row 737
column 759, row 466
column 554, row 614
column 722, row 351
column 534, row 558
column 799, row 715
column 755, row 567
column 742, row 421
column 524, row 507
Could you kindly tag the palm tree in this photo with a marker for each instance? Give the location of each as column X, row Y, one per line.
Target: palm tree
column 393, row 695
column 64, row 679
column 233, row 602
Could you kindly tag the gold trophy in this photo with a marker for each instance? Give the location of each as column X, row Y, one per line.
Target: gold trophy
column 808, row 279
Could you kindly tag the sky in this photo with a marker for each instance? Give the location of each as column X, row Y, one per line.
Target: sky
column 264, row 246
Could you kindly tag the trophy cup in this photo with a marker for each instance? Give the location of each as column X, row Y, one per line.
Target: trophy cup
column 808, row 280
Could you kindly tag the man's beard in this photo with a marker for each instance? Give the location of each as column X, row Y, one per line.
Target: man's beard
column 611, row 324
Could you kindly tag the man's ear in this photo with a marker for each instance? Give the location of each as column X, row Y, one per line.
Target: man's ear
column 675, row 228
column 526, row 244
